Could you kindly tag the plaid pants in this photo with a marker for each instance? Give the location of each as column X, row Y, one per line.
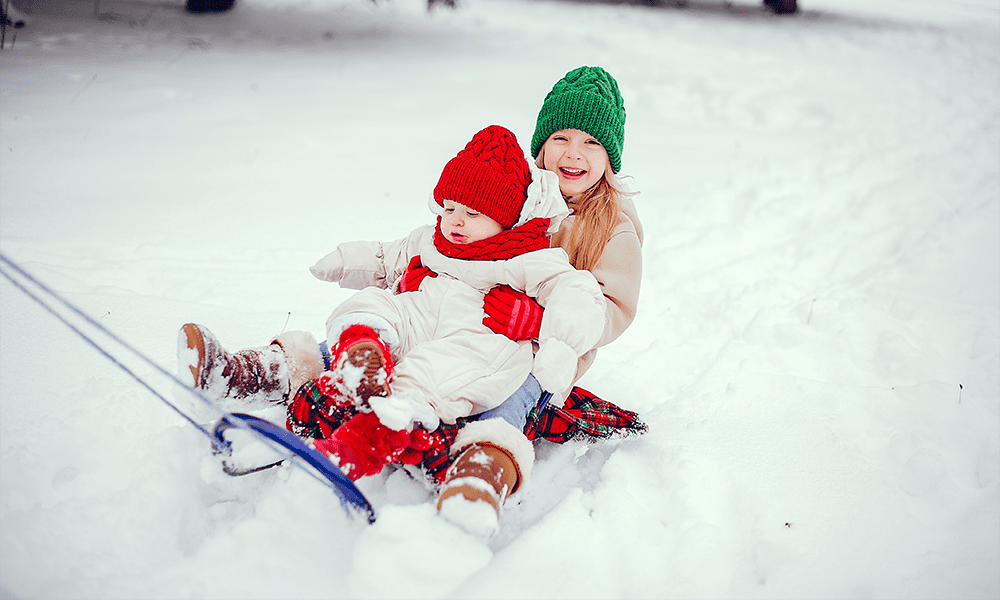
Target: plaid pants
column 315, row 414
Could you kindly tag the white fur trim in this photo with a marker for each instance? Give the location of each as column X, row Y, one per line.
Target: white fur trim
column 432, row 204
column 544, row 199
column 302, row 357
column 501, row 434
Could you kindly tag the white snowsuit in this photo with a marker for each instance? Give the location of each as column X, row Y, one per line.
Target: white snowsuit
column 445, row 356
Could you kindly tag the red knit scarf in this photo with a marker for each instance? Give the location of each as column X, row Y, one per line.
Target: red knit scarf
column 506, row 244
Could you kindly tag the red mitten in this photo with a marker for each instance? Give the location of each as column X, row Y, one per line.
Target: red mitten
column 363, row 445
column 414, row 275
column 512, row 313
column 422, row 443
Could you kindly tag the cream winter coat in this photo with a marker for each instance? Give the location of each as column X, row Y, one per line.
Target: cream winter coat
column 446, row 357
column 618, row 272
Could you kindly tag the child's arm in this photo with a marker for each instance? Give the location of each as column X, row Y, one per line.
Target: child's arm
column 572, row 324
column 573, row 320
column 357, row 265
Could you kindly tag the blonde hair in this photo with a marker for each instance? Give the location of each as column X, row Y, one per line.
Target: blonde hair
column 596, row 216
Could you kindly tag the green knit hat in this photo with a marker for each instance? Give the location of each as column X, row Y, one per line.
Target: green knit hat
column 587, row 98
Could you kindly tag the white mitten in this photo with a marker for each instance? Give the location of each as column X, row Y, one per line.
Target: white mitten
column 555, row 366
column 329, row 268
column 399, row 412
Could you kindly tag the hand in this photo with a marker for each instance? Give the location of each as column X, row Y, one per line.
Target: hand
column 414, row 275
column 512, row 313
column 329, row 268
column 555, row 366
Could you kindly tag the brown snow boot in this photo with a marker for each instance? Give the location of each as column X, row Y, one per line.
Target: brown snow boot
column 362, row 365
column 255, row 374
column 476, row 486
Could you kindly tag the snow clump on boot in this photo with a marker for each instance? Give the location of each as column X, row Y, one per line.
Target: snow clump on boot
column 476, row 517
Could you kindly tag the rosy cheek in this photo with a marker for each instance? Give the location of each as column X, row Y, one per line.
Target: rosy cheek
column 549, row 161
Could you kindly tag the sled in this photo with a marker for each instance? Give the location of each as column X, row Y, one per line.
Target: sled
column 340, row 483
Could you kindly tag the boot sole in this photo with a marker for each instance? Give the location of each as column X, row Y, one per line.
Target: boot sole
column 368, row 355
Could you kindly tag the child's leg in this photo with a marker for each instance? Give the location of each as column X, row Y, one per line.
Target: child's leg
column 492, row 462
column 315, row 412
column 461, row 376
column 515, row 409
column 324, row 352
column 365, row 336
column 388, row 315
column 361, row 364
column 270, row 373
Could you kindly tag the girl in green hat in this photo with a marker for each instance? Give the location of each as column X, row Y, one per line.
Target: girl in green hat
column 579, row 135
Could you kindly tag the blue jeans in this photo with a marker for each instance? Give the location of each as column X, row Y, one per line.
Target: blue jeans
column 324, row 350
column 515, row 409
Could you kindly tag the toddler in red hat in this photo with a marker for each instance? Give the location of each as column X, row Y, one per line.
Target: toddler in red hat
column 412, row 346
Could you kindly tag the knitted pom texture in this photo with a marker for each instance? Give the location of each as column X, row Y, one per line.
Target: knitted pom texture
column 490, row 175
column 588, row 99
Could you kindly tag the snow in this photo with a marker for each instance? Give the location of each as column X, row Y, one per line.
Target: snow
column 476, row 517
column 817, row 351
column 398, row 411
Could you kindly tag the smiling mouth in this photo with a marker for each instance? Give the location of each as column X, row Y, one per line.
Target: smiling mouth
column 571, row 173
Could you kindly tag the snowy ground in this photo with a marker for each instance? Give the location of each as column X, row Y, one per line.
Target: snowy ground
column 817, row 351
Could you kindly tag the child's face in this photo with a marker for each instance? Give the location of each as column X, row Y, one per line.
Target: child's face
column 577, row 158
column 462, row 225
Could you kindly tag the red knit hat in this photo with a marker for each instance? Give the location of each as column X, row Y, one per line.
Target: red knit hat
column 490, row 176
